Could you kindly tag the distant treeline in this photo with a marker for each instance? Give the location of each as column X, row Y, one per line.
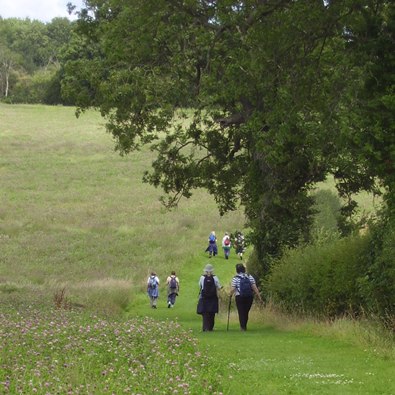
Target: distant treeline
column 31, row 55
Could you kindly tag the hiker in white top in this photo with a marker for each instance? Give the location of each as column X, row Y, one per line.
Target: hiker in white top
column 226, row 244
column 173, row 288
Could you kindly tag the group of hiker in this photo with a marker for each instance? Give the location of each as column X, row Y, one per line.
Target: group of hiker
column 228, row 241
column 243, row 286
column 173, row 287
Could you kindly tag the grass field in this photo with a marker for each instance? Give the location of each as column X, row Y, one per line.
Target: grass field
column 75, row 217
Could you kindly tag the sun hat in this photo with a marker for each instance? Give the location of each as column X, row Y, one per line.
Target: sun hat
column 208, row 268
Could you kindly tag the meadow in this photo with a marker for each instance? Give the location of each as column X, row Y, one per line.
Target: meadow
column 80, row 233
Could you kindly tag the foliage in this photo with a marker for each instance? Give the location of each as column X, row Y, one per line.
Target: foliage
column 36, row 88
column 327, row 214
column 321, row 279
column 372, row 139
column 352, row 275
column 271, row 85
column 30, row 49
column 378, row 283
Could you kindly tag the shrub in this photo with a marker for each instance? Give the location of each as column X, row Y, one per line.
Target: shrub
column 378, row 283
column 327, row 206
column 42, row 87
column 321, row 278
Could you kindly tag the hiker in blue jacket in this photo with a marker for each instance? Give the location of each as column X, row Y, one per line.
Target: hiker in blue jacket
column 208, row 297
column 244, row 286
column 153, row 289
column 212, row 248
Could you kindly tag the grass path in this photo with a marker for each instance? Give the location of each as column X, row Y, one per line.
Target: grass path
column 266, row 360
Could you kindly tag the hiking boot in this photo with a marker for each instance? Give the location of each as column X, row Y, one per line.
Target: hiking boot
column 169, row 305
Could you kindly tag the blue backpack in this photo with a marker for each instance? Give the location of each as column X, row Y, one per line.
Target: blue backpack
column 152, row 282
column 173, row 283
column 211, row 238
column 245, row 288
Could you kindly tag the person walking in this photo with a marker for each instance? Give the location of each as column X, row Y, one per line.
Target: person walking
column 153, row 289
column 244, row 287
column 212, row 248
column 226, row 244
column 239, row 244
column 208, row 297
column 173, row 287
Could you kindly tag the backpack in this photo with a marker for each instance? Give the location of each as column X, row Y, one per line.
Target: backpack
column 227, row 241
column 152, row 282
column 211, row 238
column 173, row 283
column 245, row 288
column 209, row 288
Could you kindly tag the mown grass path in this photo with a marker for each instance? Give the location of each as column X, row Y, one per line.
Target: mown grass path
column 266, row 360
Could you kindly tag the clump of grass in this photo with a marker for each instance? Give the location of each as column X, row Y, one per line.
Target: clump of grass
column 60, row 299
column 364, row 333
column 8, row 288
column 67, row 352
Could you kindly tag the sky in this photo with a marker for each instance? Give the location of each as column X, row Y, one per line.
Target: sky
column 42, row 10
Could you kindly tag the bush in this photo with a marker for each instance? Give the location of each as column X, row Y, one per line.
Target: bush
column 378, row 283
column 42, row 87
column 320, row 279
column 327, row 206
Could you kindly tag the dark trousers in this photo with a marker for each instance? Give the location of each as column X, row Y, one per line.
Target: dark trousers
column 243, row 308
column 208, row 321
column 171, row 298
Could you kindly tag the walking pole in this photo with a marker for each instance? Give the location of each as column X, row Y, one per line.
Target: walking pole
column 230, row 301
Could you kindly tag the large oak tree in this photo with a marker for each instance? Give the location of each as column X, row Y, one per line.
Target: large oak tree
column 268, row 85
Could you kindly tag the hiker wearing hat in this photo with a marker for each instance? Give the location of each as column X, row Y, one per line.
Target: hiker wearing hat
column 208, row 297
column 244, row 287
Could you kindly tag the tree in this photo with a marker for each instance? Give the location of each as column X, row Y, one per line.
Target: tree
column 8, row 60
column 264, row 79
column 372, row 40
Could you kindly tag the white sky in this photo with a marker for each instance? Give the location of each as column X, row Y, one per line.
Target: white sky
column 43, row 10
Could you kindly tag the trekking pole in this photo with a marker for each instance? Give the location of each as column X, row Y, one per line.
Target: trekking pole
column 230, row 301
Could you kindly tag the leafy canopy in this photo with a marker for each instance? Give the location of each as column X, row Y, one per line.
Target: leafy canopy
column 248, row 99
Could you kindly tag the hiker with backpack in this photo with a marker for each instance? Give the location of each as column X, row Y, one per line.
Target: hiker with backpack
column 212, row 248
column 244, row 287
column 208, row 297
column 226, row 244
column 239, row 244
column 153, row 289
column 173, row 287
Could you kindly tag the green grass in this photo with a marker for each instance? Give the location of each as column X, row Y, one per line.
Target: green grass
column 74, row 215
